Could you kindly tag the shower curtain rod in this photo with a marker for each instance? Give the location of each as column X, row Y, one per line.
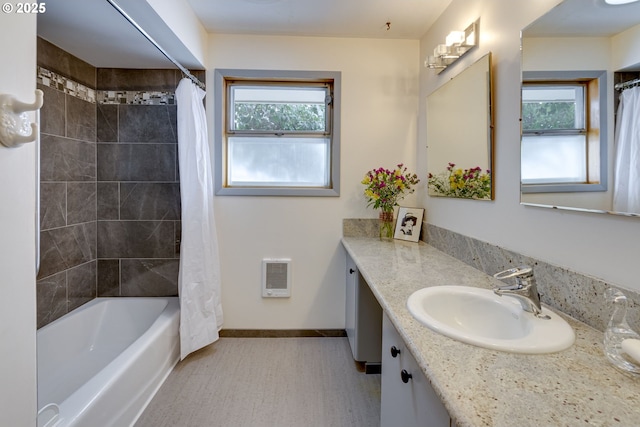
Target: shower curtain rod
column 153, row 42
column 626, row 85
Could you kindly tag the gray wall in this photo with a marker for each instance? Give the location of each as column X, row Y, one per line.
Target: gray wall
column 67, row 277
column 110, row 196
column 138, row 189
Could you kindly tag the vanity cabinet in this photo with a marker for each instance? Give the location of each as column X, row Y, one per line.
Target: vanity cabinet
column 363, row 318
column 407, row 397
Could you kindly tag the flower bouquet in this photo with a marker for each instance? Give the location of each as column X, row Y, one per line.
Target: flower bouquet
column 384, row 188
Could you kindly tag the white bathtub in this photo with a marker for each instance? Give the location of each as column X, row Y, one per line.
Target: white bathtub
column 101, row 364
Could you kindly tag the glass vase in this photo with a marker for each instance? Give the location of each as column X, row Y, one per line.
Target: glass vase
column 386, row 225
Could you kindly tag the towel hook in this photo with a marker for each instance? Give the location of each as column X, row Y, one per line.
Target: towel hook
column 15, row 126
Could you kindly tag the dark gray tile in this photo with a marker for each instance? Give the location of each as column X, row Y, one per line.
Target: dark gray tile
column 147, row 123
column 52, row 113
column 51, row 296
column 53, row 205
column 136, row 162
column 135, row 239
column 136, row 79
column 51, row 258
column 81, row 284
column 64, row 159
column 108, row 278
column 178, row 237
column 81, row 202
column 81, row 119
column 55, row 59
column 67, row 247
column 150, row 277
column 108, row 200
column 107, row 123
column 150, row 201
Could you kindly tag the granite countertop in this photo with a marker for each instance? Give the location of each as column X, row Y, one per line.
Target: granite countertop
column 481, row 387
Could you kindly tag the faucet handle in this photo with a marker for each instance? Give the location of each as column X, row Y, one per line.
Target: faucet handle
column 525, row 288
column 523, row 271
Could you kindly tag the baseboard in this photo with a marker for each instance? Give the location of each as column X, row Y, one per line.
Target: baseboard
column 282, row 333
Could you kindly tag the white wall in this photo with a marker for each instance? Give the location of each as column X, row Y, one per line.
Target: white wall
column 379, row 103
column 599, row 245
column 626, row 49
column 183, row 22
column 17, row 231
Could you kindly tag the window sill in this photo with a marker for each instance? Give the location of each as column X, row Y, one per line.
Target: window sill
column 271, row 191
column 562, row 188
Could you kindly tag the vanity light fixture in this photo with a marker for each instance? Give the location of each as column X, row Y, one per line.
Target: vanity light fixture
column 457, row 43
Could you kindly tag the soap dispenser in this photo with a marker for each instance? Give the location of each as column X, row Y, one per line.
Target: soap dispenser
column 621, row 343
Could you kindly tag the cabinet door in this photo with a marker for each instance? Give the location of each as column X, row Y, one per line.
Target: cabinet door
column 407, row 397
column 363, row 317
column 350, row 308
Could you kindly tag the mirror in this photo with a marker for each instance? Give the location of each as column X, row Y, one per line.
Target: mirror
column 594, row 45
column 459, row 135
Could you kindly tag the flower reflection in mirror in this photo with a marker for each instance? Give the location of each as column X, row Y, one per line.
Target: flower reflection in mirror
column 470, row 183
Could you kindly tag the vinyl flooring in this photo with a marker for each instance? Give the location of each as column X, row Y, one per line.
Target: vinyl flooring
column 267, row 382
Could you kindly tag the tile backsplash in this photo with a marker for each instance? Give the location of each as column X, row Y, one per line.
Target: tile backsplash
column 578, row 295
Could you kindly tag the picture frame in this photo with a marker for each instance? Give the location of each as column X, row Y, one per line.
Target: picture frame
column 409, row 224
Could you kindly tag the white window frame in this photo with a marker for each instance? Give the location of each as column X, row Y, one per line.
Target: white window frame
column 222, row 77
column 597, row 146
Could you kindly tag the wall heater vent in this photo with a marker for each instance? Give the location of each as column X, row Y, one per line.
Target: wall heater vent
column 276, row 278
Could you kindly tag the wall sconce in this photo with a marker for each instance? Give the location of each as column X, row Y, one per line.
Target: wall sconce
column 457, row 43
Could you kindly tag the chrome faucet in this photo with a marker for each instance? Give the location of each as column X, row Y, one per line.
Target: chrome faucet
column 525, row 289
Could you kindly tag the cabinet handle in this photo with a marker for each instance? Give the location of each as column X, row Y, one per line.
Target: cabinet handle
column 405, row 376
column 351, row 271
column 394, row 351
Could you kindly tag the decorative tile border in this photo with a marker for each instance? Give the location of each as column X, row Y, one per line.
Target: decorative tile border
column 56, row 81
column 130, row 97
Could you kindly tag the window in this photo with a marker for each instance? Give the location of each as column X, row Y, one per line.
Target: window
column 277, row 133
column 554, row 141
column 563, row 132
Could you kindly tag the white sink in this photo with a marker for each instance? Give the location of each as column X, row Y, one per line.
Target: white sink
column 480, row 317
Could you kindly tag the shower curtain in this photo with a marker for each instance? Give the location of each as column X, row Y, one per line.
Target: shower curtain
column 199, row 275
column 626, row 186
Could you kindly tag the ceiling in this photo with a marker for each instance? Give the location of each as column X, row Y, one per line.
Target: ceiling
column 95, row 32
column 585, row 18
column 409, row 19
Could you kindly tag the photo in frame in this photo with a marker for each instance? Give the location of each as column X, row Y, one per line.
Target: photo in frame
column 409, row 224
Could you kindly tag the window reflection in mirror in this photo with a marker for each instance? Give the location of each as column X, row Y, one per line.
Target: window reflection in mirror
column 554, row 131
column 577, row 41
column 564, row 132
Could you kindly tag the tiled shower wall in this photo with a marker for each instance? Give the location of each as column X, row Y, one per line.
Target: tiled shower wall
column 110, row 198
column 68, row 267
column 138, row 188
